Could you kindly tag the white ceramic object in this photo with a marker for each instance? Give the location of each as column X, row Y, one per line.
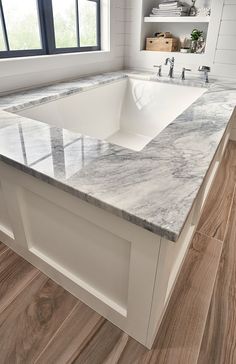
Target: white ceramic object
column 129, row 113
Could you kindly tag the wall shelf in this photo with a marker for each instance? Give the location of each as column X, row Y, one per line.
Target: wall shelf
column 180, row 27
column 181, row 19
column 190, row 55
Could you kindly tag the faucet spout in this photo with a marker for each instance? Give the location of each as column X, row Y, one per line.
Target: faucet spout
column 171, row 61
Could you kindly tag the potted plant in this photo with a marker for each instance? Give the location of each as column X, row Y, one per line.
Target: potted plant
column 196, row 37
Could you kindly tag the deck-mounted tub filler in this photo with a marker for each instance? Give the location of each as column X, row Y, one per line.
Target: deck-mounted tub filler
column 103, row 180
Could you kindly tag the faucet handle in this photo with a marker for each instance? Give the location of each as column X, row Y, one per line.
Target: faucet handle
column 183, row 72
column 159, row 69
column 204, row 69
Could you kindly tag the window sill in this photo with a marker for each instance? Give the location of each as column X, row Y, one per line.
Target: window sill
column 54, row 56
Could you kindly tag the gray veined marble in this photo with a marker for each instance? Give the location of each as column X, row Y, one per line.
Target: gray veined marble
column 154, row 188
column 28, row 98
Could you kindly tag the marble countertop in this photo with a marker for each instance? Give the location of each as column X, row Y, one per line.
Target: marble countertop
column 154, row 188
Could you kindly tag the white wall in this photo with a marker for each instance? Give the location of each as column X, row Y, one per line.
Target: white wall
column 19, row 73
column 126, row 19
column 221, row 51
column 225, row 56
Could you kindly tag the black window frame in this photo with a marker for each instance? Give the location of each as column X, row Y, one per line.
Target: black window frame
column 47, row 32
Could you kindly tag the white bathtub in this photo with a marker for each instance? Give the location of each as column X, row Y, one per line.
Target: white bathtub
column 129, row 113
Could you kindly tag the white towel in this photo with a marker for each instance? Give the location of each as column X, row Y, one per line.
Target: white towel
column 169, row 14
column 179, row 9
column 170, row 5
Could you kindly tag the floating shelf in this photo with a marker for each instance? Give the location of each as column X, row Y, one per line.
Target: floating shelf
column 175, row 19
column 189, row 56
column 178, row 52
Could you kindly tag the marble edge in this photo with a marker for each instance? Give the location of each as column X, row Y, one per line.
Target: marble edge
column 86, row 197
column 92, row 82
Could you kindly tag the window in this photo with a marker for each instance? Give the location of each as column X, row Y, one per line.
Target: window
column 37, row 27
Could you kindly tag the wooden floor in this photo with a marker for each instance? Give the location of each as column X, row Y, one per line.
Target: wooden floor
column 42, row 323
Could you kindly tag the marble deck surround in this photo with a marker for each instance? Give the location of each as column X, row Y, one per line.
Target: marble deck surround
column 153, row 188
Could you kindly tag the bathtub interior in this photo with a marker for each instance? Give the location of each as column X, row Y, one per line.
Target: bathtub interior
column 129, row 112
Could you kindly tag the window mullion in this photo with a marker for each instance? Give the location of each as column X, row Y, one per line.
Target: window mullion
column 77, row 22
column 42, row 26
column 48, row 34
column 99, row 24
column 4, row 26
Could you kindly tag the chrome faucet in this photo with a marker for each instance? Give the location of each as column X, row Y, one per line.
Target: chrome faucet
column 183, row 72
column 206, row 70
column 171, row 61
column 159, row 70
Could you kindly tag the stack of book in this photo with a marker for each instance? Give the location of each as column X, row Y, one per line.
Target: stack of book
column 170, row 8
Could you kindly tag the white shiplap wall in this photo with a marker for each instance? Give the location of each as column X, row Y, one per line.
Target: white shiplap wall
column 223, row 58
column 26, row 72
column 125, row 41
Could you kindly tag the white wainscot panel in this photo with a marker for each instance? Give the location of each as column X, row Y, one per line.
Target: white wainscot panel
column 96, row 259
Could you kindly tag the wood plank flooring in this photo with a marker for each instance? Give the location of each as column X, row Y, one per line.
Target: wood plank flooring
column 73, row 336
column 219, row 341
column 216, row 212
column 42, row 323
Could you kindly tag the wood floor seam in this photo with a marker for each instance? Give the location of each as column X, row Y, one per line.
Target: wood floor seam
column 208, row 236
column 116, row 353
column 230, row 211
column 98, row 327
column 4, row 252
column 4, row 307
column 75, row 361
column 55, row 333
